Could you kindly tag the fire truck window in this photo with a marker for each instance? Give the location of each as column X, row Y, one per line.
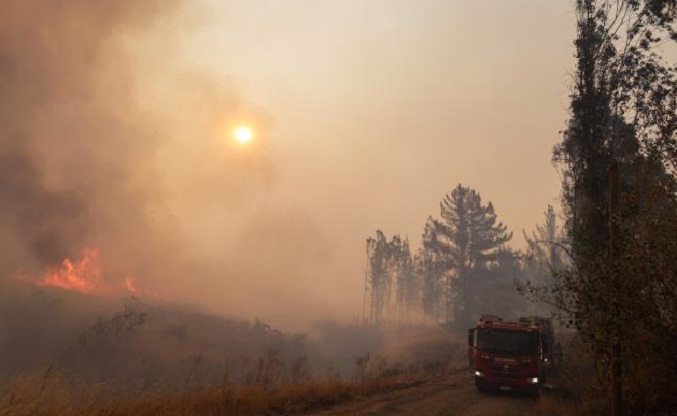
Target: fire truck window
column 507, row 341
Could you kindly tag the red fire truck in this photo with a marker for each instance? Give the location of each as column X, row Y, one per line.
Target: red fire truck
column 510, row 355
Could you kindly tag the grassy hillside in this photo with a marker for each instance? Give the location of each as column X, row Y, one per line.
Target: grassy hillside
column 68, row 353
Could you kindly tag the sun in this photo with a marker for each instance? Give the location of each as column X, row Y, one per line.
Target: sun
column 243, row 134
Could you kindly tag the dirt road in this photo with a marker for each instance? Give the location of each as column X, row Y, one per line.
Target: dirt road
column 453, row 395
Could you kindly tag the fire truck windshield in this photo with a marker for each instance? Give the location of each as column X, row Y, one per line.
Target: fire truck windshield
column 506, row 341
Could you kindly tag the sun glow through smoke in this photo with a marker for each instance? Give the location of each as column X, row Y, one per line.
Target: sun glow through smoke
column 243, row 134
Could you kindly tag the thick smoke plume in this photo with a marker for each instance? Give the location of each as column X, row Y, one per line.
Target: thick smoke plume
column 109, row 140
column 73, row 145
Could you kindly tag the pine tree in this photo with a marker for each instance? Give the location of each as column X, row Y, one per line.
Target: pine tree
column 432, row 265
column 466, row 240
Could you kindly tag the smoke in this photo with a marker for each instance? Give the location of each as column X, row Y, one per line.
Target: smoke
column 109, row 140
column 71, row 143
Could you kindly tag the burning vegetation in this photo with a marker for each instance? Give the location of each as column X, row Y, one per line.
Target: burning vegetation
column 83, row 275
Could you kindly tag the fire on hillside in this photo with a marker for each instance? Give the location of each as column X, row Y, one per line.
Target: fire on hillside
column 83, row 275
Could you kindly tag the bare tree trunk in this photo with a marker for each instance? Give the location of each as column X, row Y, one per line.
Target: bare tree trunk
column 616, row 352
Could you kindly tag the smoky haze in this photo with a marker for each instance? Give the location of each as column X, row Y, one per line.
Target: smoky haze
column 115, row 123
column 108, row 142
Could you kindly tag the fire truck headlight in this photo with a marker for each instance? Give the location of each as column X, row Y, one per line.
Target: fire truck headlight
column 532, row 380
column 479, row 374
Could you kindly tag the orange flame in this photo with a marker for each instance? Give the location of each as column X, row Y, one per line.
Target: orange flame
column 131, row 285
column 83, row 275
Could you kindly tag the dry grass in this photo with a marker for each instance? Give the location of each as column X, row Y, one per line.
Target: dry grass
column 56, row 395
column 266, row 385
column 257, row 400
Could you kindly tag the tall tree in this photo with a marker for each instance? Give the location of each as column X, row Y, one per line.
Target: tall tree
column 391, row 271
column 617, row 150
column 466, row 239
column 432, row 263
column 408, row 281
column 547, row 255
column 378, row 281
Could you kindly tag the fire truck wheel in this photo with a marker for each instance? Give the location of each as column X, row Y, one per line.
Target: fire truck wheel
column 536, row 393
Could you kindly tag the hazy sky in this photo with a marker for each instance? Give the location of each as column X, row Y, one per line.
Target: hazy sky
column 117, row 119
column 378, row 108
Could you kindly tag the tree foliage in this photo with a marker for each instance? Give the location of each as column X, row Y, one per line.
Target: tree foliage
column 622, row 129
column 465, row 244
column 461, row 270
column 547, row 254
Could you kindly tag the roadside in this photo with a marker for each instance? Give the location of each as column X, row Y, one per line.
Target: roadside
column 453, row 394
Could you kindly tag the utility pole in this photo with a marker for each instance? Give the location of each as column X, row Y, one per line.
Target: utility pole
column 616, row 352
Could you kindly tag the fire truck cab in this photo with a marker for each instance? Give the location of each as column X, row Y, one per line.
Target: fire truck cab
column 510, row 355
